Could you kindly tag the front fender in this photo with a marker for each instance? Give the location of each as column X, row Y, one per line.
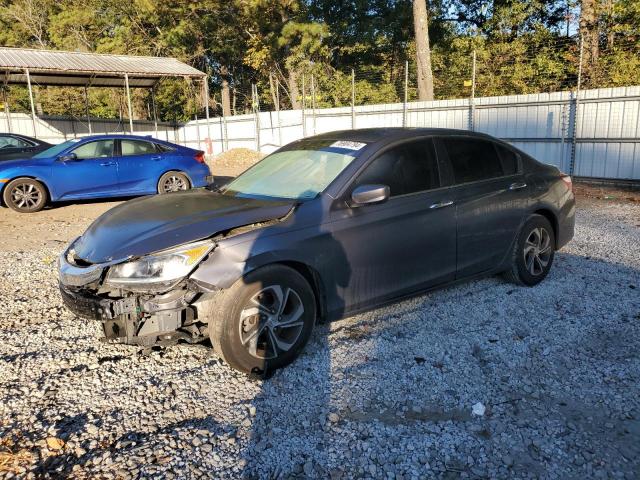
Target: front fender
column 39, row 172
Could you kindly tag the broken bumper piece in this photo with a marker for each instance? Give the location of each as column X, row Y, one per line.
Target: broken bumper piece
column 141, row 319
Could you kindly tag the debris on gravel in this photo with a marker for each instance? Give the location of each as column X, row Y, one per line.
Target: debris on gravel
column 384, row 394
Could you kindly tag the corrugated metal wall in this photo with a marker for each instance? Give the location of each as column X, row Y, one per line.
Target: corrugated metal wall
column 605, row 142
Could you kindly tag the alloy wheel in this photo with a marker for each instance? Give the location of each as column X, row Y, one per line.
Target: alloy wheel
column 537, row 251
column 26, row 196
column 174, row 183
column 271, row 322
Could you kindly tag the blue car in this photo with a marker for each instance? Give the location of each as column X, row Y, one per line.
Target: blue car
column 100, row 166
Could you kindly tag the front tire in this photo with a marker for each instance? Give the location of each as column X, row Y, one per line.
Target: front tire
column 25, row 195
column 173, row 182
column 533, row 252
column 264, row 320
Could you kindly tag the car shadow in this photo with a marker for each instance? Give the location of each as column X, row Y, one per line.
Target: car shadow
column 392, row 390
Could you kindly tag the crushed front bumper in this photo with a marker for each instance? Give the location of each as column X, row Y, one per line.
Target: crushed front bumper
column 145, row 319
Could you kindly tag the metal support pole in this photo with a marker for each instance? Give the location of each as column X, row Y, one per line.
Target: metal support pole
column 5, row 99
column 256, row 109
column 304, row 118
column 313, row 102
column 86, row 106
column 353, row 99
column 206, row 106
column 221, row 134
column 155, row 113
column 278, row 112
column 33, row 108
column 126, row 84
column 406, row 93
column 576, row 104
column 197, row 132
column 472, row 100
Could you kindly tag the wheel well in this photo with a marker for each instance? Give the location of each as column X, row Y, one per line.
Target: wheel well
column 549, row 215
column 46, row 188
column 314, row 280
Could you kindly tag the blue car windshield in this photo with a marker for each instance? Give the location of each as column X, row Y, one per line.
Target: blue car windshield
column 300, row 171
column 56, row 149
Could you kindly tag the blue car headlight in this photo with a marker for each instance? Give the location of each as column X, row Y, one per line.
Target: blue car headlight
column 159, row 270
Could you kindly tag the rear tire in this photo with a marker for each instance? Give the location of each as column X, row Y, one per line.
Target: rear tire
column 264, row 320
column 25, row 195
column 533, row 252
column 173, row 182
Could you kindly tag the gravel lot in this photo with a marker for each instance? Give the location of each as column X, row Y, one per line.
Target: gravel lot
column 387, row 394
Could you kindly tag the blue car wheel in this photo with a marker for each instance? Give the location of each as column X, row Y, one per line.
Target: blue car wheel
column 25, row 195
column 173, row 182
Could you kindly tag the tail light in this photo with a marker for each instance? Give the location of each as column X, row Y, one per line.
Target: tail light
column 567, row 181
column 199, row 157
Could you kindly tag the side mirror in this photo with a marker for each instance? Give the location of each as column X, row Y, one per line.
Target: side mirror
column 69, row 157
column 369, row 194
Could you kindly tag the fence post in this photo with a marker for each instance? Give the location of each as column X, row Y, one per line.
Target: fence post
column 576, row 104
column 353, row 99
column 195, row 116
column 406, row 93
column 278, row 112
column 313, row 102
column 472, row 100
column 304, row 118
column 256, row 109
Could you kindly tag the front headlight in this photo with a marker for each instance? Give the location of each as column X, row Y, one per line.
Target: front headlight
column 159, row 270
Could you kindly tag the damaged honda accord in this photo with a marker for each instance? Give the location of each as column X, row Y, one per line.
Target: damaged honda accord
column 323, row 228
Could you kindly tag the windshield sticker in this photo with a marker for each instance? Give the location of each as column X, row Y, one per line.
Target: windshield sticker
column 347, row 145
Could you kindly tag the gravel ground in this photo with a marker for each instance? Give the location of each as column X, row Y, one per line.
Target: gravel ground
column 551, row 372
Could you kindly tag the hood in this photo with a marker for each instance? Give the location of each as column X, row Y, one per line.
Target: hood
column 149, row 224
column 18, row 163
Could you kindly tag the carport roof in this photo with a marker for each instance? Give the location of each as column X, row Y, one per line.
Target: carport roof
column 49, row 67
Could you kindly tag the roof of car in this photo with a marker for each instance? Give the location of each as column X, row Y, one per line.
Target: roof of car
column 123, row 136
column 371, row 135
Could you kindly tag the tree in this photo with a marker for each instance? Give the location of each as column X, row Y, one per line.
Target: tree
column 589, row 32
column 423, row 52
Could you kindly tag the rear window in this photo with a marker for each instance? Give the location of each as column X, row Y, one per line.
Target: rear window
column 473, row 159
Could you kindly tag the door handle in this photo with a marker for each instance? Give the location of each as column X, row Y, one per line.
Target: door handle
column 107, row 164
column 156, row 158
column 446, row 203
column 517, row 186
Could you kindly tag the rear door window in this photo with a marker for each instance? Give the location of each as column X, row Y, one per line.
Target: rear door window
column 405, row 169
column 136, row 147
column 473, row 159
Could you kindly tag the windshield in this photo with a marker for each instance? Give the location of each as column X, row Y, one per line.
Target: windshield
column 299, row 172
column 56, row 149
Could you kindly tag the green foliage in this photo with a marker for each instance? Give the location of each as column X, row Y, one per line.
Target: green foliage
column 521, row 47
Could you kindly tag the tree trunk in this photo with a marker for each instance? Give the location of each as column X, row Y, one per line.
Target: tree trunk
column 272, row 90
column 226, row 97
column 423, row 52
column 589, row 31
column 293, row 90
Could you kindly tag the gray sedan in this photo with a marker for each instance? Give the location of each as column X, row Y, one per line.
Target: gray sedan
column 323, row 228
